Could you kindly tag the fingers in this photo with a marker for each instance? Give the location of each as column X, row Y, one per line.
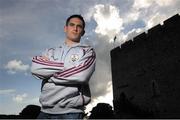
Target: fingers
column 44, row 58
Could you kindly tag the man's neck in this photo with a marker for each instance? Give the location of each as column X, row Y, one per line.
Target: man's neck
column 70, row 43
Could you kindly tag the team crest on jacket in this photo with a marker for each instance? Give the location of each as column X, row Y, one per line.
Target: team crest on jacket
column 74, row 57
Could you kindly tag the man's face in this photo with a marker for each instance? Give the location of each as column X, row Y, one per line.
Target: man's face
column 74, row 30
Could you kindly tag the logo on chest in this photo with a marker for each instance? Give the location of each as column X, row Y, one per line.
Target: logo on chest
column 74, row 57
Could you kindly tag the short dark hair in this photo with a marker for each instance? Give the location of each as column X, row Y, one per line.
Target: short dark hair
column 75, row 16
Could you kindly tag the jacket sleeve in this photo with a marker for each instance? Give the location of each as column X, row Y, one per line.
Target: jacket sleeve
column 79, row 74
column 43, row 69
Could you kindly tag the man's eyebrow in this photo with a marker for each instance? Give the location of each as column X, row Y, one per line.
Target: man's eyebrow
column 71, row 23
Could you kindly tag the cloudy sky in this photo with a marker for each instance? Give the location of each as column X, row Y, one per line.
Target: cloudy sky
column 28, row 27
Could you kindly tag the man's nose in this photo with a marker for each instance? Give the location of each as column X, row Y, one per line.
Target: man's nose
column 75, row 28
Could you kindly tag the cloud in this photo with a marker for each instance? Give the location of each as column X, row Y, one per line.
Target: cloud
column 165, row 2
column 20, row 98
column 100, row 82
column 14, row 66
column 108, row 20
column 155, row 19
column 153, row 12
column 139, row 4
column 107, row 98
column 7, row 91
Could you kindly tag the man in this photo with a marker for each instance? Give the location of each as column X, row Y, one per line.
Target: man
column 65, row 72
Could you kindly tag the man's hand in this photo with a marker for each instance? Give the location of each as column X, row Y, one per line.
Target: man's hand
column 45, row 58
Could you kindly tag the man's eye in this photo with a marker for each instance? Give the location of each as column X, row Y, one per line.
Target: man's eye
column 71, row 24
column 80, row 26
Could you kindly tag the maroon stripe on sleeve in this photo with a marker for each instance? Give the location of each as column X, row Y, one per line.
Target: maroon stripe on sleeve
column 55, row 64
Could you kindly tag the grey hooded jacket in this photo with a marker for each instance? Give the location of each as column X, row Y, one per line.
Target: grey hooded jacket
column 65, row 76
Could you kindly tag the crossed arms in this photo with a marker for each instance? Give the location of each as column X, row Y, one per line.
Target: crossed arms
column 45, row 69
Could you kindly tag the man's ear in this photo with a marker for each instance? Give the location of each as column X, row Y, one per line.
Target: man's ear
column 64, row 28
column 83, row 33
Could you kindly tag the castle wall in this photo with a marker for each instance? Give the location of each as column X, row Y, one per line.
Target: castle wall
column 146, row 72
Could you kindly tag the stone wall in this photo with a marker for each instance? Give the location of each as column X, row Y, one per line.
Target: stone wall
column 146, row 73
